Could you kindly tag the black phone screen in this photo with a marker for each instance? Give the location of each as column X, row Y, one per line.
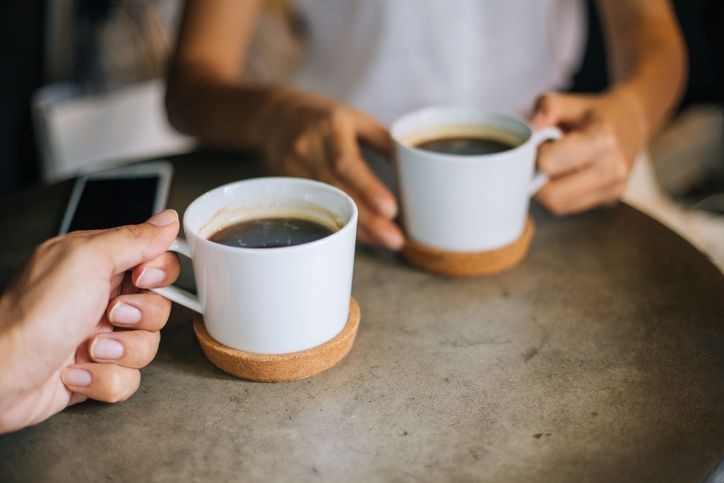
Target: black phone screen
column 106, row 203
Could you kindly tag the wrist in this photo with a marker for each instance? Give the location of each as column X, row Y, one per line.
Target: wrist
column 286, row 110
column 271, row 102
column 630, row 102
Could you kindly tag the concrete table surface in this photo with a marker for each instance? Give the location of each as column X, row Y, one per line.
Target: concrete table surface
column 600, row 358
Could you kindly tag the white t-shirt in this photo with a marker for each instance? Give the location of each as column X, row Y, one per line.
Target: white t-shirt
column 388, row 57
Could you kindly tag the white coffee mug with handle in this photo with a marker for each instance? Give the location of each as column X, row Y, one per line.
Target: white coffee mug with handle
column 270, row 300
column 466, row 203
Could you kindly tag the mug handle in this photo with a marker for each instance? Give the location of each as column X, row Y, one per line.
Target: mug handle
column 539, row 137
column 175, row 294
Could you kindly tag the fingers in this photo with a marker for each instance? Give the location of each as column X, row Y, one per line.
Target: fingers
column 364, row 237
column 103, row 382
column 573, row 152
column 82, row 354
column 590, row 165
column 372, row 228
column 130, row 348
column 372, row 132
column 108, row 367
column 578, row 192
column 349, row 166
column 327, row 149
column 159, row 272
column 379, row 230
column 555, row 109
column 147, row 311
column 130, row 245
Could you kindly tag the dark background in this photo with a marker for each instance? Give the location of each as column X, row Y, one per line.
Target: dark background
column 21, row 51
column 702, row 22
column 21, row 45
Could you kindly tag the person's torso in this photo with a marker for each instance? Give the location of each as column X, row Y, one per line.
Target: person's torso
column 388, row 57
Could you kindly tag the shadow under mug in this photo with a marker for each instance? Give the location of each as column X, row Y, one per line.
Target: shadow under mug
column 466, row 203
column 269, row 300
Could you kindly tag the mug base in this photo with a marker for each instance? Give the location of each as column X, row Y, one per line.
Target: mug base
column 280, row 367
column 469, row 264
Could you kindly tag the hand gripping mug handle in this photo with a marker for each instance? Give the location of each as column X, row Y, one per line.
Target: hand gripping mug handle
column 539, row 137
column 175, row 294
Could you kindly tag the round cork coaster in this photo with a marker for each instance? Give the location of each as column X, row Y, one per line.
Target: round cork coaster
column 469, row 264
column 280, row 367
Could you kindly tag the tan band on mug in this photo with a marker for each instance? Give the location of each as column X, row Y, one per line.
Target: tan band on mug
column 470, row 264
column 281, row 367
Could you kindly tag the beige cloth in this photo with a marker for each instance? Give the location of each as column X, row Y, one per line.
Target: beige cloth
column 703, row 230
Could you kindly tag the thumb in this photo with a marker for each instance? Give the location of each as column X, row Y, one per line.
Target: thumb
column 555, row 109
column 130, row 245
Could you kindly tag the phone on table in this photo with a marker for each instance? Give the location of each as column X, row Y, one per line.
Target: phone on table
column 120, row 196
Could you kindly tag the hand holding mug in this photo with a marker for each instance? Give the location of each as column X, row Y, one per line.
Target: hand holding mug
column 75, row 323
column 260, row 288
column 589, row 167
column 317, row 138
column 466, row 176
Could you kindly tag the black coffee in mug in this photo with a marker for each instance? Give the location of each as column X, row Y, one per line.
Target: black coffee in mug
column 465, row 145
column 271, row 233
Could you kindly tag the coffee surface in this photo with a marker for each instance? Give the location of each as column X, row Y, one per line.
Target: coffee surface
column 465, row 145
column 271, row 233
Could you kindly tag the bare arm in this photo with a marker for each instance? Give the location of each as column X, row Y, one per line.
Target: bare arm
column 646, row 54
column 204, row 97
column 300, row 134
column 589, row 167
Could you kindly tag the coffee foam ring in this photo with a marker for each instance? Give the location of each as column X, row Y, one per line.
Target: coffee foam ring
column 280, row 367
column 469, row 264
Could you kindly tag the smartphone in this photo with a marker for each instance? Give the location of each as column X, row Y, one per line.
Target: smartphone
column 120, row 196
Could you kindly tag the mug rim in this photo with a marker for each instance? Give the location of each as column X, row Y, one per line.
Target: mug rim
column 456, row 110
column 350, row 224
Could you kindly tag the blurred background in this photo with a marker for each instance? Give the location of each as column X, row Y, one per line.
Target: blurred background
column 84, row 86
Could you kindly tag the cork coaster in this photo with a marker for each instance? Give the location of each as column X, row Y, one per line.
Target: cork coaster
column 469, row 264
column 280, row 367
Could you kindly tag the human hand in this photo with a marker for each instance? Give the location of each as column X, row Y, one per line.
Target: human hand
column 74, row 324
column 314, row 137
column 590, row 165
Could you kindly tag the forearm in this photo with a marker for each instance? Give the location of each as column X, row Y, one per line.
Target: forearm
column 222, row 113
column 205, row 96
column 646, row 56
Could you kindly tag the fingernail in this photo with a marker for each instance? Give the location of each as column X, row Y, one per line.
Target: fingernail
column 393, row 240
column 102, row 348
column 386, row 207
column 72, row 376
column 126, row 314
column 164, row 218
column 150, row 277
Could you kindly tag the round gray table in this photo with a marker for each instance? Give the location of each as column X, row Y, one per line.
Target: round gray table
column 600, row 358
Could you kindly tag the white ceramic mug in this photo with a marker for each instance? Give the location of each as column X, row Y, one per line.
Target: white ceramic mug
column 466, row 203
column 270, row 300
